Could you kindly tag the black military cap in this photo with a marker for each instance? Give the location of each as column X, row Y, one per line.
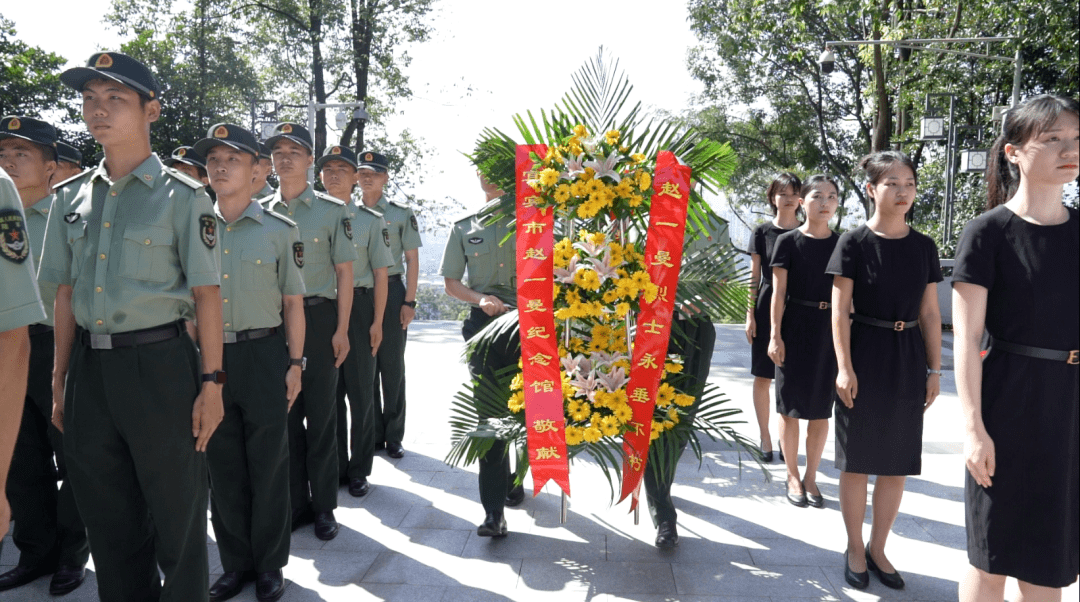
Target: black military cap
column 373, row 161
column 291, row 131
column 229, row 135
column 28, row 128
column 186, row 154
column 338, row 153
column 66, row 152
column 117, row 67
column 264, row 151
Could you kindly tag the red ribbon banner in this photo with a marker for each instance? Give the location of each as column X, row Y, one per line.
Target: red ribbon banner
column 663, row 256
column 536, row 319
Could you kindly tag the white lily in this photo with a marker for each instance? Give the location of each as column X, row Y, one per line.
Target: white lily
column 605, row 166
column 566, row 275
column 574, row 166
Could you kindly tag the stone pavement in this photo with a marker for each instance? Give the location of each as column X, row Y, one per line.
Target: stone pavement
column 413, row 537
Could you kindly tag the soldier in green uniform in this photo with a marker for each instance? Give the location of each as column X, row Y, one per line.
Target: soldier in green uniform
column 49, row 533
column 404, row 237
column 474, row 245
column 262, row 290
column 693, row 338
column 68, row 162
column 20, row 305
column 260, row 187
column 326, row 231
column 131, row 245
column 337, row 169
column 187, row 160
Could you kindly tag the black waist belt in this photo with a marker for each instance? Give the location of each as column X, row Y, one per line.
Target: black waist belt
column 309, row 301
column 39, row 329
column 361, row 290
column 1069, row 357
column 815, row 304
column 898, row 326
column 130, row 339
column 249, row 335
column 394, row 277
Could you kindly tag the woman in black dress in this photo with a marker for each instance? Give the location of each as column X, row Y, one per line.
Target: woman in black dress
column 783, row 198
column 1016, row 272
column 805, row 378
column 887, row 337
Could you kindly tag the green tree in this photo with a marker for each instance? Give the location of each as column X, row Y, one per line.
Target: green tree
column 31, row 76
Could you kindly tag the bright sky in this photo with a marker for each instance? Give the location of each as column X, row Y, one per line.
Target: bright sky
column 487, row 60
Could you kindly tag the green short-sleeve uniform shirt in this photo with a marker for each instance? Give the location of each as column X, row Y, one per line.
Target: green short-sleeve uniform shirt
column 372, row 241
column 327, row 233
column 261, row 257
column 132, row 249
column 37, row 217
column 20, row 302
column 402, row 229
column 475, row 247
column 267, row 190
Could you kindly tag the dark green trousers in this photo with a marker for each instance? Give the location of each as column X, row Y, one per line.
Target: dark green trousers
column 389, row 417
column 313, row 420
column 248, row 458
column 140, row 485
column 355, row 381
column 494, row 480
column 48, row 529
column 696, row 348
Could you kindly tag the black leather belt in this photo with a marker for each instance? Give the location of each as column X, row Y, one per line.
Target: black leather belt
column 309, row 301
column 898, row 326
column 1069, row 357
column 362, row 290
column 393, row 277
column 36, row 329
column 814, row 304
column 249, row 335
column 131, row 339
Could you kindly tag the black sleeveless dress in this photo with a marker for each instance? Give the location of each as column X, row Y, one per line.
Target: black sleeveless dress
column 882, row 433
column 762, row 241
column 806, row 382
column 1027, row 524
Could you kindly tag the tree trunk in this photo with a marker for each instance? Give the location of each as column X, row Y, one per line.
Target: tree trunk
column 882, row 122
column 317, row 78
column 363, row 27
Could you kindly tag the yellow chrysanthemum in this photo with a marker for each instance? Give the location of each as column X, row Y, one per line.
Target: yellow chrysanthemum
column 637, row 158
column 593, row 434
column 577, row 345
column 684, row 400
column 609, row 426
column 650, row 292
column 581, row 415
column 623, row 413
column 610, row 296
column 587, row 279
column 548, row 177
column 597, row 238
column 517, row 383
column 669, row 424
column 574, row 435
column 577, row 189
column 624, row 189
column 562, row 193
column 673, row 414
column 640, row 278
column 644, row 180
column 580, row 131
column 516, row 403
column 621, row 309
column 563, row 313
column 572, row 296
column 672, row 368
column 635, row 200
column 612, row 137
column 665, row 395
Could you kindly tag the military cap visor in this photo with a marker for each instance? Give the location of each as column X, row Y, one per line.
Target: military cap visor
column 29, row 129
column 66, row 152
column 264, row 151
column 226, row 134
column 117, row 67
column 290, row 131
column 186, row 154
column 373, row 161
column 337, row 153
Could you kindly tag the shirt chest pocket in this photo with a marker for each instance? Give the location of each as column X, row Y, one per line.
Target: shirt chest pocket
column 480, row 257
column 316, row 250
column 148, row 254
column 76, row 234
column 258, row 270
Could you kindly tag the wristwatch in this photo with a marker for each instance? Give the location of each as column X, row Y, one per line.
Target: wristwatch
column 411, row 304
column 302, row 362
column 217, row 377
column 930, row 371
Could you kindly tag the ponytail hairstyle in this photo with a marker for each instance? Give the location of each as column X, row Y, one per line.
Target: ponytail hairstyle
column 1019, row 125
column 781, row 182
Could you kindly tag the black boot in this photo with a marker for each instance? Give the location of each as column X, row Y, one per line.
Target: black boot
column 494, row 525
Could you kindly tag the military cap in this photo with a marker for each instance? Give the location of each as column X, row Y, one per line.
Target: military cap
column 339, row 153
column 117, row 67
column 264, row 151
column 28, row 128
column 66, row 152
column 373, row 161
column 186, row 154
column 291, row 131
column 230, row 135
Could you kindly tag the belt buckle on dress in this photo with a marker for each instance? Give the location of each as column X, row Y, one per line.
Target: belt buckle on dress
column 101, row 341
column 230, row 337
column 898, row 326
column 1074, row 357
column 823, row 305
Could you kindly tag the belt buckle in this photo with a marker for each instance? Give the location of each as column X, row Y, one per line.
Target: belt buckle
column 823, row 305
column 230, row 337
column 898, row 326
column 1074, row 357
column 101, row 341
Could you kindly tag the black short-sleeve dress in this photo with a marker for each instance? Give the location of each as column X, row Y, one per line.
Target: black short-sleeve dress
column 762, row 241
column 806, row 382
column 1027, row 524
column 882, row 433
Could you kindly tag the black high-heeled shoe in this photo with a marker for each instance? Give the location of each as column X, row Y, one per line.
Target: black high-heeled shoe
column 766, row 456
column 892, row 580
column 856, row 580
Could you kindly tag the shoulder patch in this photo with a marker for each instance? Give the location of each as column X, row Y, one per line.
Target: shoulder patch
column 14, row 245
column 183, row 177
column 412, row 222
column 208, row 230
column 346, row 224
column 298, row 254
column 326, row 197
column 281, row 217
column 77, row 176
column 386, row 236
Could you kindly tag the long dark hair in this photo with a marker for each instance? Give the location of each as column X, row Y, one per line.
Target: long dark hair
column 781, row 182
column 1020, row 124
column 876, row 165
